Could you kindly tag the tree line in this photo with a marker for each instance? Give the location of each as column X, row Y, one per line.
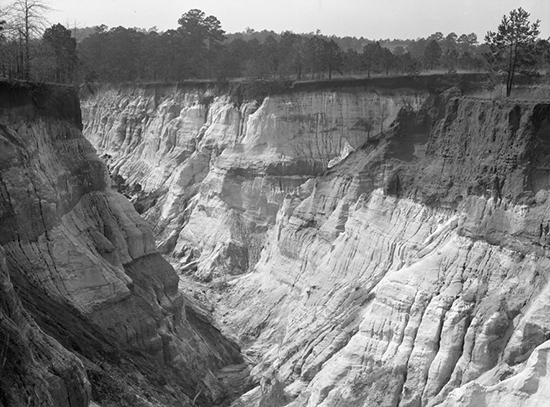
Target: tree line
column 200, row 49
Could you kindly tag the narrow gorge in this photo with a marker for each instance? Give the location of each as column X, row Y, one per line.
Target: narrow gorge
column 377, row 242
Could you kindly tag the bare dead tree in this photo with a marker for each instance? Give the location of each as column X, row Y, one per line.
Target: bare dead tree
column 28, row 18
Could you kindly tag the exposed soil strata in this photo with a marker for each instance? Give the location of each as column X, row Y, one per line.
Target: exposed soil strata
column 89, row 308
column 35, row 369
column 400, row 235
column 219, row 168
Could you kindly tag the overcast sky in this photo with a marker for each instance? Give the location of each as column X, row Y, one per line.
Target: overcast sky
column 374, row 19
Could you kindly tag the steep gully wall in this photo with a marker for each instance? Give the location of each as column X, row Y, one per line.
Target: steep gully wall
column 401, row 267
column 89, row 310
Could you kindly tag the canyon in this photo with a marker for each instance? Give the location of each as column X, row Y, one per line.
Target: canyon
column 341, row 243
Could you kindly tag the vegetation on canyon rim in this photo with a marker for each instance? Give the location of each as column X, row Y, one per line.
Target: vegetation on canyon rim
column 200, row 49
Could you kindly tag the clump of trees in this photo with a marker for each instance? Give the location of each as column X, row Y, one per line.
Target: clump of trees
column 198, row 48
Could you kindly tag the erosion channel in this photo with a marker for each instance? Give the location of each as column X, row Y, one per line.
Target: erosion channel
column 381, row 242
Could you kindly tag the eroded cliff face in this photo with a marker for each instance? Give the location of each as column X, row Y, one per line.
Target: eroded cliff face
column 217, row 169
column 411, row 271
column 87, row 299
column 400, row 277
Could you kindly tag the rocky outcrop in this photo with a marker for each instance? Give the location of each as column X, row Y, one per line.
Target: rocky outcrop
column 403, row 265
column 88, row 297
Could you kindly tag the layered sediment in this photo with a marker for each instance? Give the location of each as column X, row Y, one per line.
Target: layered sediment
column 217, row 168
column 88, row 298
column 381, row 245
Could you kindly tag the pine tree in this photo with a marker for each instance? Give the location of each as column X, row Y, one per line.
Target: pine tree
column 513, row 45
